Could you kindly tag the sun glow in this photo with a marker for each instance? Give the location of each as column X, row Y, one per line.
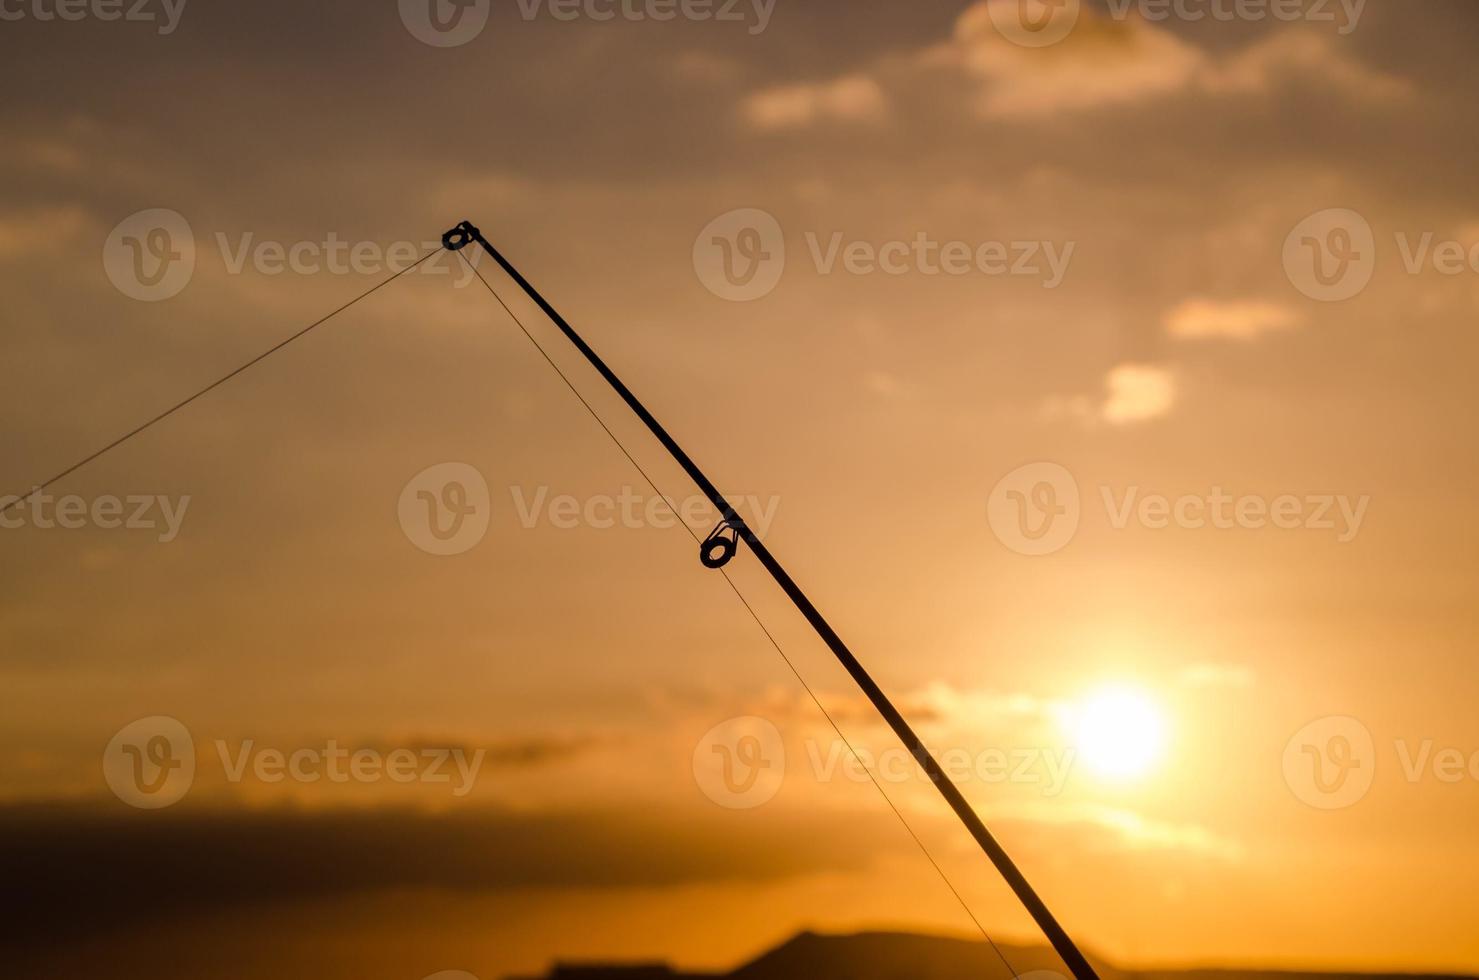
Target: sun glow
column 1120, row 733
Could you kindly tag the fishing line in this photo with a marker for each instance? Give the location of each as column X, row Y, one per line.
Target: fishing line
column 753, row 615
column 18, row 500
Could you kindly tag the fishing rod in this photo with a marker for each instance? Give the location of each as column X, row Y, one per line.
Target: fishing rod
column 721, row 546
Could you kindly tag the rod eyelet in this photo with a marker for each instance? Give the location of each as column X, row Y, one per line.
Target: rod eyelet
column 720, row 547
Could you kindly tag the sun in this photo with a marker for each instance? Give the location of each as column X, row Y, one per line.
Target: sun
column 1120, row 732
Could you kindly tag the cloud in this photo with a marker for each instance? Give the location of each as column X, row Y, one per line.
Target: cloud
column 852, row 99
column 1123, row 60
column 1218, row 675
column 85, row 868
column 1102, row 62
column 1129, row 830
column 1302, row 56
column 40, row 228
column 1138, row 393
column 1246, row 320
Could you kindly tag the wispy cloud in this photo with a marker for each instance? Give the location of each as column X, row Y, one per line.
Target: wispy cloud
column 1198, row 319
column 850, row 99
column 1119, row 61
column 1138, row 393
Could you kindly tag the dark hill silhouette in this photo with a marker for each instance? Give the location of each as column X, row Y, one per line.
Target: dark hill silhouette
column 906, row 956
column 893, row 956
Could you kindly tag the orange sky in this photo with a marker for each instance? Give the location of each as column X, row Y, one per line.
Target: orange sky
column 1159, row 336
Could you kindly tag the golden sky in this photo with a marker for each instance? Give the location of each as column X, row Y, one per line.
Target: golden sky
column 1213, row 281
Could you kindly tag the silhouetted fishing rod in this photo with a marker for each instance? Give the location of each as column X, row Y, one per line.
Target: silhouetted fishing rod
column 723, row 544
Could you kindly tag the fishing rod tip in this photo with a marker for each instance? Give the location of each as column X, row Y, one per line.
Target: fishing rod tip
column 460, row 237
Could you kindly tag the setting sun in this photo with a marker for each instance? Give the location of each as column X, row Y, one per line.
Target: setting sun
column 1120, row 732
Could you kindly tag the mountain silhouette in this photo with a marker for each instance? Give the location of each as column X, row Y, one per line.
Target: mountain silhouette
column 906, row 956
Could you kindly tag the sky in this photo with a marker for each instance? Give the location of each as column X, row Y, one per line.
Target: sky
column 1102, row 370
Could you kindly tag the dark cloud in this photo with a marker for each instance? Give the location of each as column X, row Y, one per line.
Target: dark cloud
column 81, row 870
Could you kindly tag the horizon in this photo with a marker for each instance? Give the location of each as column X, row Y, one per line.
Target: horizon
column 1009, row 946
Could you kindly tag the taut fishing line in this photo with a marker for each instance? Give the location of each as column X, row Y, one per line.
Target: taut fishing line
column 806, row 686
column 15, row 501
